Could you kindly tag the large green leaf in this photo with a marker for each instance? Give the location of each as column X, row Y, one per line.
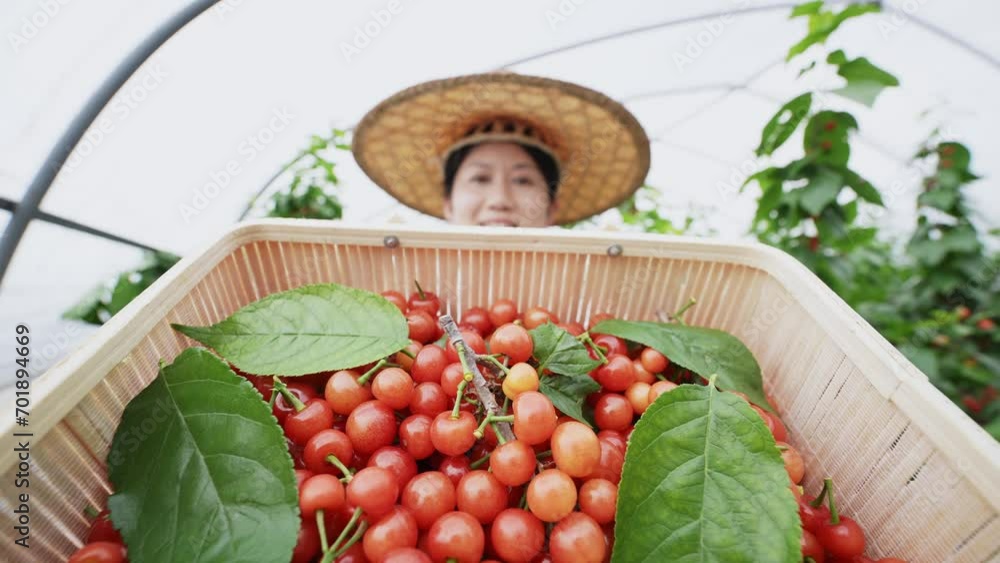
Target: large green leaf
column 783, row 124
column 705, row 351
column 201, row 470
column 309, row 329
column 703, row 481
column 864, row 80
column 568, row 393
column 558, row 351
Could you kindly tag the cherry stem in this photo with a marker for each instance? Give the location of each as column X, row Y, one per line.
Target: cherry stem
column 358, row 534
column 458, row 399
column 818, row 501
column 340, row 465
column 322, row 531
column 478, row 432
column 368, row 374
column 834, row 515
column 585, row 338
column 274, row 397
column 420, row 290
column 490, row 359
column 283, row 389
column 406, row 352
column 546, row 453
column 343, row 534
column 498, row 429
column 679, row 314
column 482, row 388
column 91, row 512
column 479, row 462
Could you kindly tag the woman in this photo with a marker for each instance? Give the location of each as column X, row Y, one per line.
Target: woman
column 503, row 149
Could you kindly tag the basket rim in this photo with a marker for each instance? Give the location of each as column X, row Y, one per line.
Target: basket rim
column 974, row 452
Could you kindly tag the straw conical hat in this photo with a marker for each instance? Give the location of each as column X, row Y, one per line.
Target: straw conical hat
column 601, row 150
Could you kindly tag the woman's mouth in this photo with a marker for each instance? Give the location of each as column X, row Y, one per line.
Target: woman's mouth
column 498, row 223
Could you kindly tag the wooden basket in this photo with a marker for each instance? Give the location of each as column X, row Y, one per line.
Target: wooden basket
column 921, row 477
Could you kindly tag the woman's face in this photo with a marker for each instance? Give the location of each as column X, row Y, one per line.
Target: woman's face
column 498, row 184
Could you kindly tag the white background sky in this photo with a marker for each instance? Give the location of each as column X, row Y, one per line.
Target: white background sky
column 220, row 80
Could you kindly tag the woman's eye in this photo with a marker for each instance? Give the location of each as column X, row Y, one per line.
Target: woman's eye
column 524, row 181
column 481, row 179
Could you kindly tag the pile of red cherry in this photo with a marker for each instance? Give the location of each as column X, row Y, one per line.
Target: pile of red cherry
column 393, row 467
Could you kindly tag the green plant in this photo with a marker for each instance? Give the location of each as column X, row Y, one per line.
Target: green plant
column 643, row 211
column 102, row 302
column 935, row 297
column 311, row 193
column 809, row 206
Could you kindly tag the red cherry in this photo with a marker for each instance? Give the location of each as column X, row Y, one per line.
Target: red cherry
column 371, row 426
column 100, row 552
column 453, row 436
column 479, row 319
column 502, row 311
column 102, row 530
column 316, row 416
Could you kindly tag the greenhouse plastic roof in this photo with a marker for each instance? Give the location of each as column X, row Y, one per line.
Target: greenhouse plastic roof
column 278, row 72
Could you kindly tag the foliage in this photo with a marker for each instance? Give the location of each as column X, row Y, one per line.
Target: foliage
column 642, row 211
column 935, row 300
column 102, row 302
column 311, row 194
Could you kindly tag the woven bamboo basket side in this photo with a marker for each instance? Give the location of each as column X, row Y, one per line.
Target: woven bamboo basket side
column 914, row 500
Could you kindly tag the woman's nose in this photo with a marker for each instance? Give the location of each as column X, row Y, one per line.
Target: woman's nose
column 500, row 195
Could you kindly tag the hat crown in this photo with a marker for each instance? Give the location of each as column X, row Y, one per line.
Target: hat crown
column 509, row 126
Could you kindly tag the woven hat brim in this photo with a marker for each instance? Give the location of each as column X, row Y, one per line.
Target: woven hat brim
column 602, row 148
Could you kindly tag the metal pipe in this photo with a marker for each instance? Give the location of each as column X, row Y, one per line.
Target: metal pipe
column 40, row 184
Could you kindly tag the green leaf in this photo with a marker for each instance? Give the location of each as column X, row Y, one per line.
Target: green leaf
column 201, row 470
column 806, row 9
column 705, row 351
column 703, row 481
column 765, row 177
column 943, row 199
column 568, row 393
column 862, row 187
column 88, row 308
column 822, row 24
column 783, row 124
column 864, row 80
column 310, row 329
column 769, row 199
column 557, row 350
column 826, row 137
column 821, row 190
column 126, row 289
column 993, row 428
column 957, row 154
